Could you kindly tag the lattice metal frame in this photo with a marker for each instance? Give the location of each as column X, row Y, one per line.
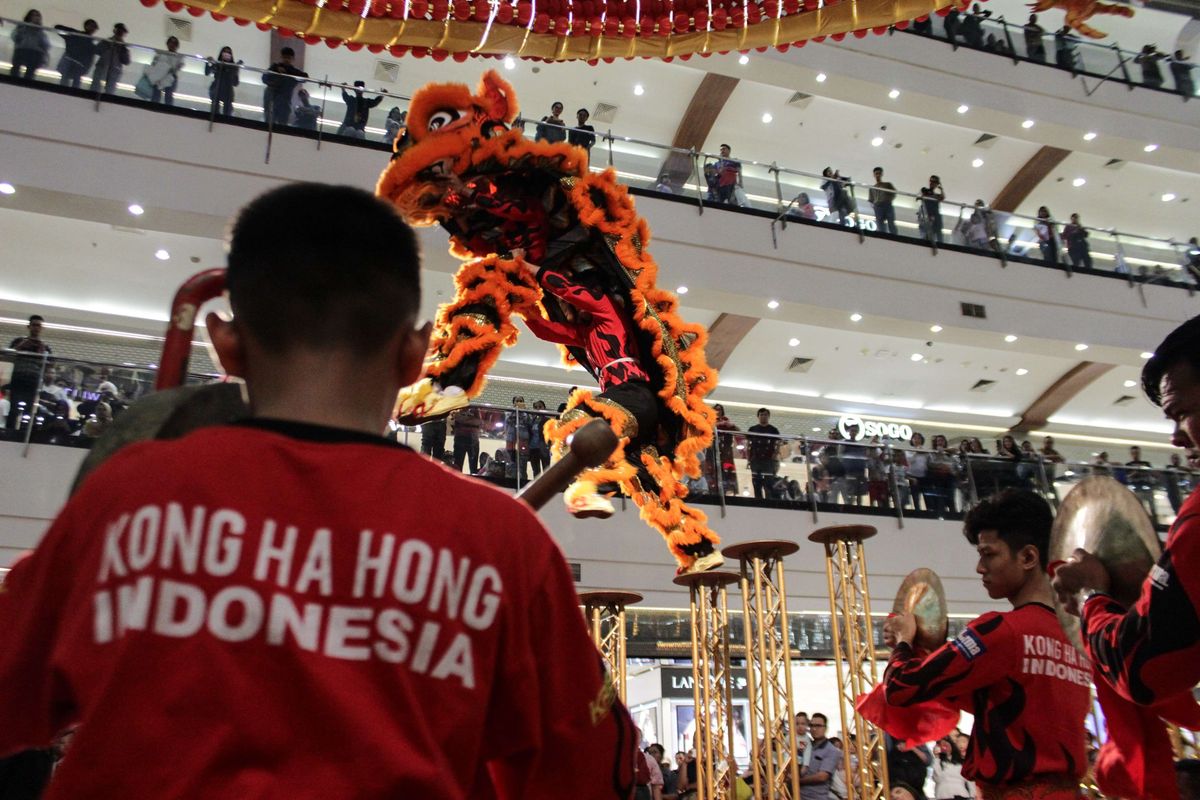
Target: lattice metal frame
column 605, row 614
column 854, row 656
column 712, row 685
column 773, row 761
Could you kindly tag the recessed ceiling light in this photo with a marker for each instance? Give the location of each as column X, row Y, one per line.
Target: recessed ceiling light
column 878, row 140
column 964, row 108
column 894, row 93
column 638, row 89
column 977, row 163
column 766, row 118
column 1010, row 338
column 7, row 188
column 1089, row 136
column 793, row 342
column 136, row 210
column 1150, row 148
column 856, row 317
column 161, row 254
column 821, row 76
column 1027, row 124
column 1130, row 384
column 916, row 357
column 1147, row 355
column 1081, row 347
column 510, row 62
column 935, row 328
column 816, row 429
column 1078, row 182
column 772, row 304
column 744, row 59
column 681, row 290
column 1168, row 197
column 1022, row 371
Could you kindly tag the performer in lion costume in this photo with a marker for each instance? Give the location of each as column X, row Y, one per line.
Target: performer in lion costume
column 543, row 239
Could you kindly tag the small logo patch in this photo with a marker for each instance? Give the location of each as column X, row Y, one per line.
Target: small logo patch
column 1159, row 577
column 969, row 645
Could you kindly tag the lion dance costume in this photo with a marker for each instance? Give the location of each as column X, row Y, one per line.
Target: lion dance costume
column 544, row 239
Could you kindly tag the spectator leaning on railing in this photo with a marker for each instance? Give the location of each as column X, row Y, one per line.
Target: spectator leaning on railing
column 112, row 58
column 31, row 46
column 79, row 53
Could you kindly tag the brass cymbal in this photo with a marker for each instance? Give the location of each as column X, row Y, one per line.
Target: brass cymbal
column 922, row 595
column 1105, row 518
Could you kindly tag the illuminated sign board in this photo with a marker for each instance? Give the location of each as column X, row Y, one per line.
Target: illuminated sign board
column 856, row 428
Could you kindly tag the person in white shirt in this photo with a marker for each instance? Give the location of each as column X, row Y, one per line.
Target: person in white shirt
column 948, row 780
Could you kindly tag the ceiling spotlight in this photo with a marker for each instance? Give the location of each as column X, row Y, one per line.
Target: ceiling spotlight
column 161, row 255
column 894, row 93
column 1081, row 347
column 878, row 140
column 1027, row 124
column 1168, row 197
column 1022, row 371
column 1089, row 136
column 510, row 62
column 935, row 328
column 766, row 118
column 816, row 429
column 964, row 108
column 772, row 304
column 977, row 163
column 793, row 342
column 1130, row 384
column 136, row 210
column 916, row 357
column 1146, row 355
column 7, row 188
column 855, row 317
column 1150, row 148
column 638, row 89
column 681, row 290
column 821, row 76
column 744, row 59
column 1010, row 338
column 1078, row 182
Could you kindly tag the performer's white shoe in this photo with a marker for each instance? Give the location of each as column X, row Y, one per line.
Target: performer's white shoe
column 425, row 400
column 591, row 504
column 704, row 563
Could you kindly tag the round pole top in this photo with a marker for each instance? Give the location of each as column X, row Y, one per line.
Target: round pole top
column 710, row 578
column 842, row 533
column 760, row 548
column 609, row 597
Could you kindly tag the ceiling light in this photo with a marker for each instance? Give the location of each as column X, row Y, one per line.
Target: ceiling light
column 1081, row 347
column 894, row 93
column 1078, row 182
column 510, row 62
column 161, row 254
column 793, row 342
column 977, row 163
column 935, row 328
column 766, row 118
column 1130, row 384
column 1150, row 148
column 772, row 304
column 821, row 76
column 816, row 429
column 1147, row 355
column 1168, row 197
column 964, row 108
column 1022, row 371
column 136, row 210
column 744, row 59
column 1010, row 338
column 878, row 140
column 7, row 188
column 638, row 89
column 1027, row 124
column 916, row 357
column 681, row 290
column 1089, row 136
column 855, row 317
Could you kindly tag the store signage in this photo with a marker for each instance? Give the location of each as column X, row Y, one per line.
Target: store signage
column 678, row 682
column 866, row 428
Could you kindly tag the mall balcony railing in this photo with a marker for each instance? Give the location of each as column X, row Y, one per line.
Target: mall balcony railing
column 70, row 402
column 316, row 109
column 1094, row 62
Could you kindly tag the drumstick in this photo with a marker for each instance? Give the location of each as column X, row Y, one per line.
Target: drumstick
column 589, row 446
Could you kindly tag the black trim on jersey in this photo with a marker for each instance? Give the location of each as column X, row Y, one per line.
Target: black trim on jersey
column 320, row 434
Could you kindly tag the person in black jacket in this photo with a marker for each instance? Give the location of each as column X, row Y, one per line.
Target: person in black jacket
column 582, row 135
column 281, row 82
column 225, row 73
column 113, row 57
column 358, row 111
column 80, row 52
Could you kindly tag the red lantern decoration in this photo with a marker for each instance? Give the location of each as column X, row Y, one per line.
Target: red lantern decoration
column 791, row 6
column 195, row 12
column 800, row 43
column 524, row 12
column 902, row 25
column 398, row 50
column 561, row 26
column 332, row 44
column 755, row 14
column 461, row 57
column 943, row 11
column 420, row 52
column 682, row 21
column 357, row 6
column 374, row 48
column 771, row 8
column 818, row 39
column 810, row 5
column 861, row 33
column 629, row 27
column 418, row 9
column 149, row 3
column 286, row 32
column 174, row 6
column 783, row 48
column 879, row 31
column 354, row 47
column 218, row 16
column 701, row 19
column 241, row 22
column 483, row 11
column 612, row 26
column 542, row 23
column 462, row 10
column 440, row 55
column 504, row 14
column 719, row 19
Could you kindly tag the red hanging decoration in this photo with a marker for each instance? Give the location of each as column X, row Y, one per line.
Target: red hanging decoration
column 174, row 6
column 354, row 47
column 149, row 3
column 462, row 10
column 504, row 14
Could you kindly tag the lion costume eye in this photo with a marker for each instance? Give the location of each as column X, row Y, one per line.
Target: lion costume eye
column 443, row 118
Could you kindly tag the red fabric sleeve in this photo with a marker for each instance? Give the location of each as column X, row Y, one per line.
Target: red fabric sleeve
column 550, row 331
column 560, row 285
column 983, row 653
column 1152, row 651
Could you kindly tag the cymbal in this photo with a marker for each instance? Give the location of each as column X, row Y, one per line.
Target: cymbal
column 1105, row 518
column 922, row 595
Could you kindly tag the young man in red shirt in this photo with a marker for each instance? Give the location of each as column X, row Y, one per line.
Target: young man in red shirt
column 295, row 607
column 1028, row 688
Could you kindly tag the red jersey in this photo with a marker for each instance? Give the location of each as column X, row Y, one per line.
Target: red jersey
column 1151, row 652
column 1028, row 688
column 276, row 610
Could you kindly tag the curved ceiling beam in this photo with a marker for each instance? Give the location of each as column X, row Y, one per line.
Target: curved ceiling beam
column 1033, row 172
column 1071, row 383
column 724, row 335
column 697, row 122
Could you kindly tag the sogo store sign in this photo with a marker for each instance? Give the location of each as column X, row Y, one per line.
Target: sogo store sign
column 867, row 428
